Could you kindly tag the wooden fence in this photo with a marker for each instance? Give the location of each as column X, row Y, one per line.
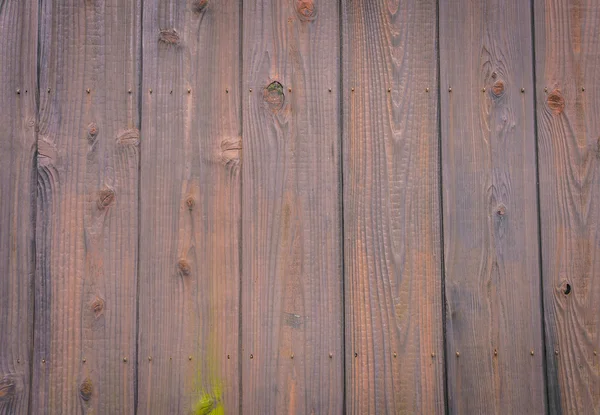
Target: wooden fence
column 299, row 206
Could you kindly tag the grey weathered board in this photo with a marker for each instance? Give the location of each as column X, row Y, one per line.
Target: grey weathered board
column 492, row 279
column 568, row 95
column 392, row 254
column 87, row 224
column 292, row 329
column 18, row 86
column 190, row 208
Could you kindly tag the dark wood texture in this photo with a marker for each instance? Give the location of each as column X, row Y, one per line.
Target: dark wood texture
column 568, row 94
column 292, row 275
column 87, row 221
column 494, row 323
column 18, row 87
column 392, row 255
column 190, row 208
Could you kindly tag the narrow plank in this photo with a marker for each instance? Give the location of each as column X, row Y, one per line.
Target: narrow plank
column 18, row 87
column 568, row 94
column 392, row 254
column 292, row 277
column 190, row 208
column 494, row 326
column 87, row 221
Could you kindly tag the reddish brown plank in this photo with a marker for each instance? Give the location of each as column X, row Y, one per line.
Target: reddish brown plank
column 18, row 87
column 394, row 330
column 292, row 359
column 190, row 208
column 87, row 218
column 494, row 326
column 568, row 95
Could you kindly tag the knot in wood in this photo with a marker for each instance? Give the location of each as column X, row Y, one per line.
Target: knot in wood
column 8, row 388
column 184, row 267
column 106, row 197
column 199, row 6
column 501, row 210
column 556, row 102
column 498, row 88
column 130, row 137
column 190, row 202
column 92, row 132
column 273, row 96
column 97, row 306
column 86, row 389
column 169, row 36
column 306, row 9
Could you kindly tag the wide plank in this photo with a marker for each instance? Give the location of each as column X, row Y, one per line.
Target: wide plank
column 495, row 350
column 190, row 208
column 568, row 95
column 18, row 87
column 292, row 330
column 392, row 247
column 87, row 217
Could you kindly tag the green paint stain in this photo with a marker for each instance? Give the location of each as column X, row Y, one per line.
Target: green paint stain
column 208, row 405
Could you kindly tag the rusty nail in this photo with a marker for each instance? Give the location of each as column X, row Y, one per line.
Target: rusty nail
column 290, row 89
column 432, row 354
column 189, row 357
column 546, row 89
column 395, row 354
column 189, row 91
column 227, row 91
column 48, row 90
column 483, row 90
column 450, row 89
column 87, row 90
column 84, row 360
column 228, row 357
column 18, row 92
column 531, row 352
column 292, row 356
column 355, row 354
column 352, row 89
column 331, row 355
column 495, row 352
column 18, row 360
column 251, row 356
column 329, row 89
column 250, row 89
column 129, row 91
column 43, row 360
column 522, row 90
column 595, row 353
column 427, row 89
column 171, row 92
column 125, row 359
column 149, row 358
column 582, row 89
column 150, row 90
column 556, row 352
column 389, row 89
column 457, row 354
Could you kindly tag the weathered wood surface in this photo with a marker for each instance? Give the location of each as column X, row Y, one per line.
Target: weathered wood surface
column 292, row 329
column 494, row 324
column 87, row 223
column 18, row 87
column 392, row 254
column 190, row 208
column 568, row 95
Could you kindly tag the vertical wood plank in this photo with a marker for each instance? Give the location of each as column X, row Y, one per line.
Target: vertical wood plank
column 18, row 87
column 292, row 278
column 394, row 329
column 568, row 95
column 190, row 208
column 494, row 328
column 87, row 221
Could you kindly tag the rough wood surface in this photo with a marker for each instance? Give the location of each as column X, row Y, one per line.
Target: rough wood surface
column 18, row 87
column 394, row 331
column 190, row 208
column 292, row 277
column 494, row 326
column 87, row 222
column 568, row 95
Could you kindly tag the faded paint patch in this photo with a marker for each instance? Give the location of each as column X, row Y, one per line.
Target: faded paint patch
column 294, row 321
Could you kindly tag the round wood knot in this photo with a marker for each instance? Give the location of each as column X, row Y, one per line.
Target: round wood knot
column 92, row 132
column 184, row 267
column 8, row 388
column 86, row 389
column 306, row 9
column 106, row 197
column 501, row 210
column 199, row 6
column 190, row 202
column 273, row 96
column 556, row 102
column 565, row 288
column 97, row 306
column 498, row 88
column 129, row 137
column 169, row 36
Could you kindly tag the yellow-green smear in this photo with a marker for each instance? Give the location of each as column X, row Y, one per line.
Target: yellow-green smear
column 209, row 405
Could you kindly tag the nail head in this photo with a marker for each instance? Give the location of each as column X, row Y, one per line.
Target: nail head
column 125, row 359
column 457, row 354
column 87, row 90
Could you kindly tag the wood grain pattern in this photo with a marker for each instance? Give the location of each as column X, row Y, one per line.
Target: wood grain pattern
column 87, row 221
column 494, row 326
column 568, row 94
column 394, row 330
column 18, row 87
column 292, row 277
column 190, row 208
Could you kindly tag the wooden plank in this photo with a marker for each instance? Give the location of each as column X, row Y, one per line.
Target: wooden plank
column 190, row 208
column 394, row 329
column 494, row 326
column 568, row 94
column 18, row 86
column 292, row 277
column 87, row 221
